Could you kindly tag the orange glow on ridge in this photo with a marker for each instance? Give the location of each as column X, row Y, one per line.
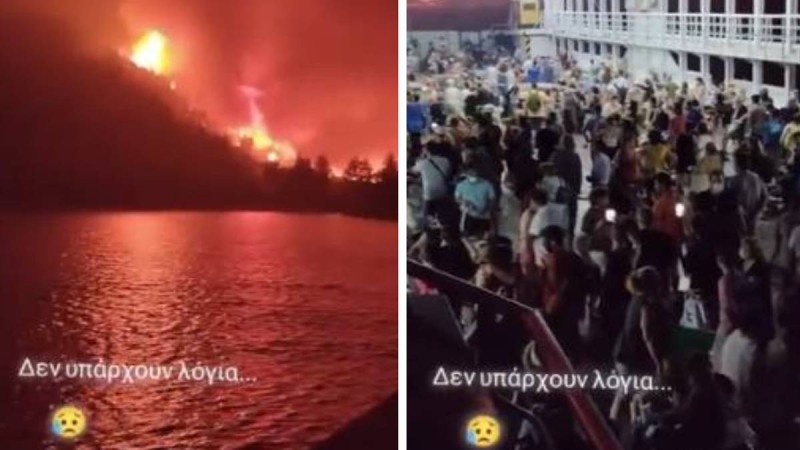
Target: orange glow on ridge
column 150, row 52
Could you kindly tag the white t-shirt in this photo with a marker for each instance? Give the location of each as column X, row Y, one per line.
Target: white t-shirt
column 620, row 83
column 610, row 108
column 434, row 182
column 454, row 100
column 491, row 77
column 737, row 359
column 549, row 214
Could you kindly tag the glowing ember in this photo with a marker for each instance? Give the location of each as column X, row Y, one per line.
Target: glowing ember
column 255, row 137
column 262, row 145
column 150, row 52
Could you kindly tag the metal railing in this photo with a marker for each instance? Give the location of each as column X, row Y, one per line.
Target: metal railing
column 660, row 29
column 551, row 353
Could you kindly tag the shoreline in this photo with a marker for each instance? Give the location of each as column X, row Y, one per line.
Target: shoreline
column 78, row 210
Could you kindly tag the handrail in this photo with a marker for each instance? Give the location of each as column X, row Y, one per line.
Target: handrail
column 552, row 356
column 654, row 27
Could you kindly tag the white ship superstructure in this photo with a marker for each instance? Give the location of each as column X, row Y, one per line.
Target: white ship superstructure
column 754, row 44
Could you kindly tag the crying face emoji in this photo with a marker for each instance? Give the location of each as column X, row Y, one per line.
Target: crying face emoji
column 68, row 422
column 483, row 431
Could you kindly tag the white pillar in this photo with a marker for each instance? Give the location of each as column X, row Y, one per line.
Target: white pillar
column 603, row 16
column 705, row 10
column 758, row 11
column 730, row 9
column 683, row 10
column 728, row 70
column 705, row 66
column 758, row 75
column 791, row 9
column 789, row 77
column 683, row 61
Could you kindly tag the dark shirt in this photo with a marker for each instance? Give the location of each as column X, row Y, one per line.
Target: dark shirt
column 615, row 295
column 661, row 122
column 684, row 149
column 490, row 138
column 763, row 166
column 630, row 348
column 701, row 266
column 471, row 104
column 437, row 113
column 754, row 298
column 703, row 418
column 658, row 250
column 546, row 142
column 568, row 167
column 454, row 260
column 693, row 118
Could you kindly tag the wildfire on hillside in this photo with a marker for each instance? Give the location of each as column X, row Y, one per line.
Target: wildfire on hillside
column 151, row 52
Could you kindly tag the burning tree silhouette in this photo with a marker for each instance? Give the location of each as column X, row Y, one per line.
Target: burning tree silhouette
column 358, row 170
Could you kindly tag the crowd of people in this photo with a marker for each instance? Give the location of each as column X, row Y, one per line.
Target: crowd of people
column 633, row 211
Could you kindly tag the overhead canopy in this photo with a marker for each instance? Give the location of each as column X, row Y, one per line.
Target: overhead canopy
column 459, row 15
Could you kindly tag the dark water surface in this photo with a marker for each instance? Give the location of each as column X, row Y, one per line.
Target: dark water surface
column 305, row 304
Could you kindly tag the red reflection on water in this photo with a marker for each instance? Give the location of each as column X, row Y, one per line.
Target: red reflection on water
column 304, row 304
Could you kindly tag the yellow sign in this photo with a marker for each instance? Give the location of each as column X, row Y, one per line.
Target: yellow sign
column 530, row 13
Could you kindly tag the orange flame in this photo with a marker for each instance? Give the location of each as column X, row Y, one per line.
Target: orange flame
column 256, row 137
column 150, row 52
column 262, row 145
